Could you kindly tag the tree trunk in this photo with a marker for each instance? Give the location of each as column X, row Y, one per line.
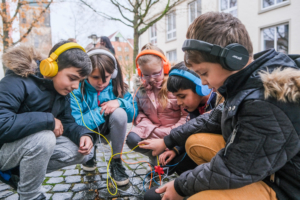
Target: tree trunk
column 135, row 47
column 6, row 28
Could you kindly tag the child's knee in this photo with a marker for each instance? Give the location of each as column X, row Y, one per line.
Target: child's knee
column 119, row 116
column 132, row 140
column 45, row 141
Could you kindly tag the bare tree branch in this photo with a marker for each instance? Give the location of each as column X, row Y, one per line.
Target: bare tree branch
column 17, row 11
column 105, row 15
column 131, row 3
column 118, row 6
column 121, row 5
column 33, row 23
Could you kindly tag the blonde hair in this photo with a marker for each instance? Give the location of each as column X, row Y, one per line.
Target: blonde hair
column 163, row 93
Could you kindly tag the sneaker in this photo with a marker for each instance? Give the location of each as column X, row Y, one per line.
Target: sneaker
column 13, row 181
column 118, row 173
column 91, row 164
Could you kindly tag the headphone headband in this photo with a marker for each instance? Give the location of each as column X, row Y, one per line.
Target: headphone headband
column 232, row 57
column 65, row 47
column 104, row 52
column 201, row 90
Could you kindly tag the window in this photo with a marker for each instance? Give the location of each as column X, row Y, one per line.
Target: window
column 172, row 56
column 119, row 48
column 269, row 3
column 36, row 42
column 194, row 10
column 47, row 19
column 127, row 57
column 153, row 34
column 276, row 37
column 119, row 58
column 171, row 26
column 117, row 39
column 126, row 49
column 229, row 6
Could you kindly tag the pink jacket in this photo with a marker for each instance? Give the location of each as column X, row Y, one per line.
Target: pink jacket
column 153, row 121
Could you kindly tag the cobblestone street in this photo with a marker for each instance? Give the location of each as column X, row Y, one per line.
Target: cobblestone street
column 74, row 183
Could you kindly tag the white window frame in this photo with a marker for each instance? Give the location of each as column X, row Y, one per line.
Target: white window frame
column 272, row 6
column 126, row 49
column 153, row 39
column 275, row 36
column 168, row 55
column 196, row 11
column 228, row 10
column 172, row 31
column 119, row 48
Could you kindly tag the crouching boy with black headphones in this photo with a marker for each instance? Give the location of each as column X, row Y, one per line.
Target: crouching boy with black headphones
column 257, row 126
column 37, row 131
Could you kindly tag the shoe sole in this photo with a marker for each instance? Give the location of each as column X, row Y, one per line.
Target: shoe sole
column 89, row 169
column 121, row 183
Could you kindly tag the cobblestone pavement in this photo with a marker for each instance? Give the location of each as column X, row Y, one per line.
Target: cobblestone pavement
column 74, row 183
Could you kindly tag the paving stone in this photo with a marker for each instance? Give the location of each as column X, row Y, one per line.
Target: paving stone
column 13, row 197
column 80, row 187
column 71, row 172
column 105, row 194
column 70, row 167
column 55, row 174
column 48, row 195
column 102, row 170
column 98, row 185
column 130, row 161
column 104, row 176
column 87, row 195
column 133, row 155
column 136, row 180
column 141, row 171
column 46, row 188
column 55, row 180
column 127, row 191
column 4, row 187
column 99, row 159
column 73, row 179
column 61, row 188
column 62, row 196
column 91, row 178
column 6, row 193
column 101, row 164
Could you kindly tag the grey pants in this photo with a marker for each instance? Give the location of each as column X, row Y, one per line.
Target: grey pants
column 117, row 125
column 38, row 154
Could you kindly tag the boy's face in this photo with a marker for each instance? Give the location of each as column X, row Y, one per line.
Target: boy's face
column 96, row 81
column 212, row 74
column 189, row 100
column 66, row 80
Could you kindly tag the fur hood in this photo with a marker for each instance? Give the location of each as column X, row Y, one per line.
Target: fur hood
column 22, row 60
column 284, row 85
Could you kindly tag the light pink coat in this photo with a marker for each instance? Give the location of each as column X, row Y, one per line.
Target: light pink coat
column 153, row 121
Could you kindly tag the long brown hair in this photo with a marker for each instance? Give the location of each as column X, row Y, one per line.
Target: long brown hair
column 105, row 63
column 163, row 93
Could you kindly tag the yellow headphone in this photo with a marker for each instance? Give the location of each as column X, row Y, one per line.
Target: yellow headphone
column 49, row 67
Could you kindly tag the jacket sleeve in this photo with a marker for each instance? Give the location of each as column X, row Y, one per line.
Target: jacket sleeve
column 265, row 141
column 15, row 126
column 71, row 129
column 206, row 123
column 88, row 115
column 130, row 109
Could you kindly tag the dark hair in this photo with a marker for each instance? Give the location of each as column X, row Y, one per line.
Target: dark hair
column 105, row 63
column 73, row 58
column 176, row 83
column 216, row 28
column 108, row 44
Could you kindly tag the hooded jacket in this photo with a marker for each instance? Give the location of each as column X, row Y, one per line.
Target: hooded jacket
column 29, row 103
column 261, row 126
column 91, row 110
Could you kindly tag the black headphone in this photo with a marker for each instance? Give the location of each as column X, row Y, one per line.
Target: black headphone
column 233, row 57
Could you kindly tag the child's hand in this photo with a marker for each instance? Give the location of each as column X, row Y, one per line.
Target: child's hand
column 156, row 145
column 58, row 129
column 109, row 107
column 166, row 157
column 85, row 145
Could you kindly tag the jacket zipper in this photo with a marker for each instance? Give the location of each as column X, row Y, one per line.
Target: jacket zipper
column 231, row 139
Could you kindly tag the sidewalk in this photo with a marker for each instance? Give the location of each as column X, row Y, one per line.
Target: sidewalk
column 73, row 183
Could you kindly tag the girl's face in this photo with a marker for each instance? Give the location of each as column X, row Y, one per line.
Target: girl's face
column 66, row 80
column 96, row 81
column 189, row 100
column 153, row 71
column 212, row 74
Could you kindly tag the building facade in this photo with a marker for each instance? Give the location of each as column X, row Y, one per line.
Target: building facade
column 270, row 23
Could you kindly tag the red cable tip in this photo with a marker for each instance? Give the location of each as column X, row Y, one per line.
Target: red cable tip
column 159, row 170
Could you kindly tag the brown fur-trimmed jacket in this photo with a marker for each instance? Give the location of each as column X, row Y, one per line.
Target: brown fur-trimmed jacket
column 260, row 122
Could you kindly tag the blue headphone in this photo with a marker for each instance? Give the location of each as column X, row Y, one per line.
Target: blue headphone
column 201, row 90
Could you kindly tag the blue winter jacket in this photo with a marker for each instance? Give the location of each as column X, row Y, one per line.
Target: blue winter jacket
column 91, row 97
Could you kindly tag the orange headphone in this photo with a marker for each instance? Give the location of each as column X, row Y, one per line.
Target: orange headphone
column 166, row 63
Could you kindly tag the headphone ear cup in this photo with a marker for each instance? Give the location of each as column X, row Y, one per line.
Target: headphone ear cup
column 167, row 67
column 139, row 71
column 202, row 90
column 114, row 74
column 48, row 67
column 236, row 58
